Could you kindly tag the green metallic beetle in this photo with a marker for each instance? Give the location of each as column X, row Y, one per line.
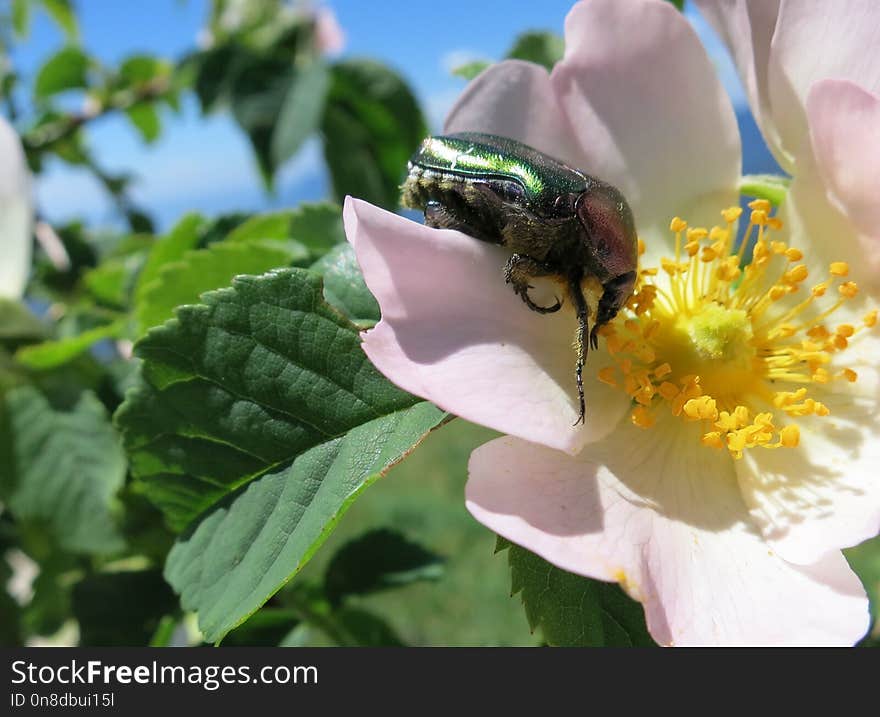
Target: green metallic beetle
column 560, row 222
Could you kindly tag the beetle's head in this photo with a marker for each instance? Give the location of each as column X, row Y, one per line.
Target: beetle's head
column 609, row 230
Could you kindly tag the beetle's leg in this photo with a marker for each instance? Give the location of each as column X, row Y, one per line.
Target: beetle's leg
column 583, row 336
column 519, row 269
column 614, row 294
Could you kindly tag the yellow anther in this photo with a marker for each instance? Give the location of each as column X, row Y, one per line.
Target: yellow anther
column 849, row 375
column 819, row 289
column 846, row 330
column 606, row 375
column 702, row 408
column 790, row 436
column 641, row 247
column 819, row 333
column 692, row 247
column 821, row 375
column 731, row 214
column 642, row 417
column 677, row 225
column 777, row 292
column 794, row 254
column 663, row 370
column 761, row 205
column 778, row 247
column 697, row 233
column 796, row 275
column 708, row 255
column 848, row 289
column 839, row 342
column 820, row 409
column 870, row 320
column 758, row 217
column 839, row 268
column 775, row 223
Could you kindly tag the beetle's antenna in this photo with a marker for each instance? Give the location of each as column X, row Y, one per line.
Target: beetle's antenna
column 583, row 337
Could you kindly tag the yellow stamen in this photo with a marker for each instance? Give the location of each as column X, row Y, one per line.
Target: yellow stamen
column 717, row 338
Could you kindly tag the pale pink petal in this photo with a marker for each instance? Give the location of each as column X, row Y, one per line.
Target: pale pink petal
column 663, row 515
column 815, row 41
column 845, row 131
column 649, row 112
column 819, row 227
column 746, row 27
column 15, row 215
column 452, row 332
column 515, row 99
column 825, row 494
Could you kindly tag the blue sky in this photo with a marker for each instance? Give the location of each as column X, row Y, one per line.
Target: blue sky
column 205, row 164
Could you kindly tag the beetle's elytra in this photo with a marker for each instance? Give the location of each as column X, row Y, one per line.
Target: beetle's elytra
column 559, row 222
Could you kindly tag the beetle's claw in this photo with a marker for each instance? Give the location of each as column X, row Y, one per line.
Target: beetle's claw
column 540, row 309
column 594, row 337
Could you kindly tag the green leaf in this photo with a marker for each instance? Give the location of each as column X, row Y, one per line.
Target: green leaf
column 121, row 609
column 344, row 286
column 678, row 4
column 312, row 229
column 259, row 89
column 137, row 69
column 262, row 417
column 378, row 560
column 372, row 124
column 300, row 112
column 61, row 11
column 864, row 559
column 68, row 466
column 17, row 323
column 771, row 187
column 256, row 540
column 182, row 282
column 317, row 226
column 571, row 610
column 51, row 354
column 470, row 70
column 65, row 70
column 145, row 119
column 183, row 236
column 542, row 48
column 21, row 18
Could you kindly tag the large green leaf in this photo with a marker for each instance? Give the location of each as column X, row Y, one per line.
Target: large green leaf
column 182, row 282
column 312, row 228
column 259, row 421
column 67, row 468
column 65, row 70
column 256, row 540
column 300, row 111
column 372, row 124
column 571, row 610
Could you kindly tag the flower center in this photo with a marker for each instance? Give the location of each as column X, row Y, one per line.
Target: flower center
column 723, row 341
